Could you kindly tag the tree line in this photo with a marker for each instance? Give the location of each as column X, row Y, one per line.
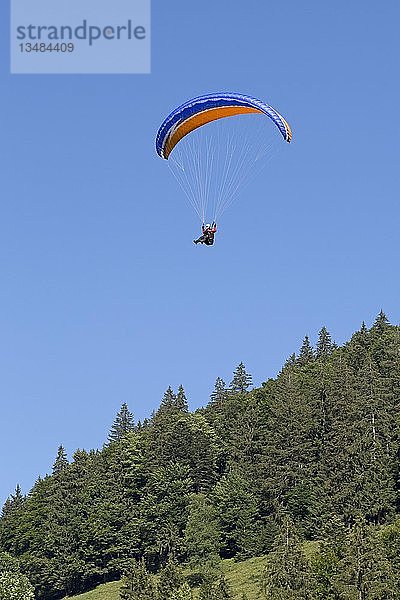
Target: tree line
column 303, row 469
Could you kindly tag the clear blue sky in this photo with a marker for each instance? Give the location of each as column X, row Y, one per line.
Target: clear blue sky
column 101, row 304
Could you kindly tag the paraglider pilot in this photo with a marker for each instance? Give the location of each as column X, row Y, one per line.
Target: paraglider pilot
column 208, row 232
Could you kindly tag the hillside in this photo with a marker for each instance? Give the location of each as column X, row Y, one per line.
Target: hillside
column 242, row 577
column 312, row 454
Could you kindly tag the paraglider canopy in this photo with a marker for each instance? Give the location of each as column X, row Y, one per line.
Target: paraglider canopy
column 211, row 155
column 204, row 109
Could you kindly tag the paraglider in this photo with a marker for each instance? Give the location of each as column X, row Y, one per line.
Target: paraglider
column 208, row 232
column 213, row 156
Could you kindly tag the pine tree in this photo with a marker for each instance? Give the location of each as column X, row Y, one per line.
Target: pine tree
column 202, row 534
column 220, row 392
column 182, row 593
column 306, row 352
column 170, row 580
column 122, row 425
column 324, row 344
column 237, row 512
column 138, row 584
column 365, row 572
column 218, row 399
column 168, row 402
column 287, row 575
column 381, row 322
column 241, row 380
column 164, row 512
column 181, row 401
column 61, row 461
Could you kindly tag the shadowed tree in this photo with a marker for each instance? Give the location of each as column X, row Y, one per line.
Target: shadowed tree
column 381, row 322
column 181, row 401
column 202, row 534
column 287, row 575
column 241, row 380
column 306, row 352
column 122, row 425
column 325, row 346
column 365, row 573
column 137, row 583
column 220, row 392
column 61, row 461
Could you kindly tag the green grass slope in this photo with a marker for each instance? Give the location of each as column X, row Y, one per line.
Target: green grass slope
column 243, row 577
column 107, row 591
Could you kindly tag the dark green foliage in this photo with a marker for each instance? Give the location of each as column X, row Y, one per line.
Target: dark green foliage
column 181, row 402
column 324, row 344
column 170, row 580
column 172, row 404
column 122, row 425
column 185, row 439
column 215, row 589
column 8, row 564
column 137, row 583
column 287, row 575
column 164, row 513
column 241, row 380
column 311, row 456
column 236, row 506
column 306, row 352
column 325, row 563
column 217, row 400
column 202, row 534
column 381, row 322
column 220, row 392
column 365, row 571
column 61, row 461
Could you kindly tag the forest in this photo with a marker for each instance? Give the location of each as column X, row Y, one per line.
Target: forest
column 303, row 470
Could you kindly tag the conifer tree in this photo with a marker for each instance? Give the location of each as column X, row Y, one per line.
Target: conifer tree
column 289, row 362
column 170, row 580
column 237, row 512
column 287, row 575
column 217, row 401
column 324, row 344
column 381, row 322
column 306, row 352
column 181, row 401
column 241, row 380
column 215, row 589
column 17, row 498
column 365, row 571
column 61, row 461
column 325, row 562
column 122, row 425
column 12, row 503
column 182, row 593
column 202, row 534
column 220, row 392
column 137, row 583
column 164, row 512
column 169, row 401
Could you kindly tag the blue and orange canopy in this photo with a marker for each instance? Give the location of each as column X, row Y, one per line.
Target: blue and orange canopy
column 204, row 109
